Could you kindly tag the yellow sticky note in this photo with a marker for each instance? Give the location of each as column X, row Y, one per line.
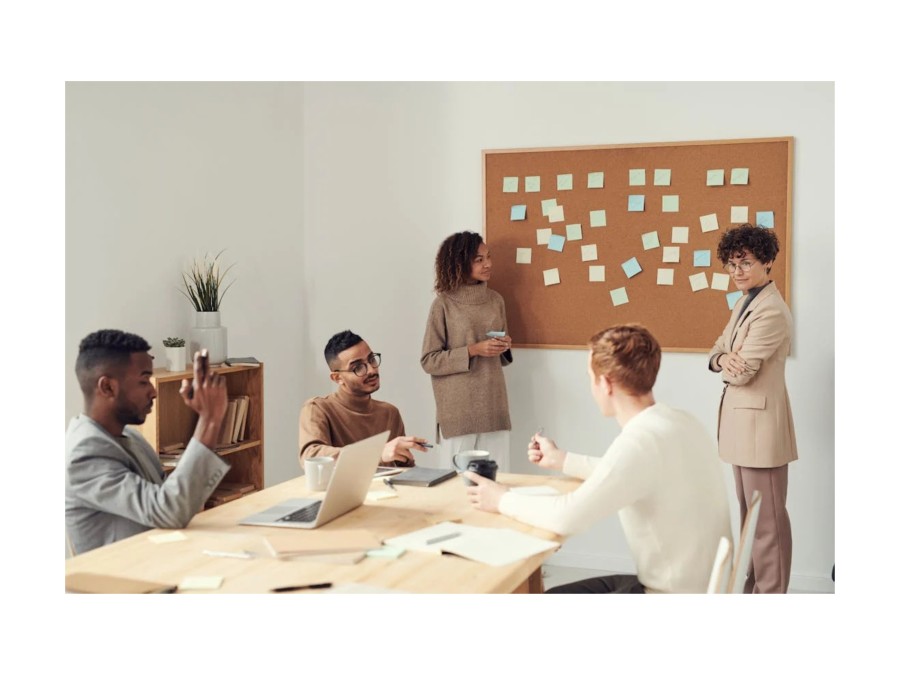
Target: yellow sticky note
column 557, row 214
column 208, row 583
column 167, row 538
column 523, row 256
column 532, row 183
column 671, row 254
column 543, row 235
column 715, row 177
column 670, row 203
column 637, row 177
column 740, row 176
column 662, row 176
column 588, row 252
column 709, row 222
column 551, row 277
column 679, row 235
column 573, row 232
column 598, row 218
column 650, row 240
column 698, row 281
column 564, row 181
column 597, row 273
column 510, row 183
column 665, row 276
column 619, row 296
column 720, row 281
column 595, row 179
column 739, row 214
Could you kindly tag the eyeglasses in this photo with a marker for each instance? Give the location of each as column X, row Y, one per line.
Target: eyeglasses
column 361, row 368
column 745, row 265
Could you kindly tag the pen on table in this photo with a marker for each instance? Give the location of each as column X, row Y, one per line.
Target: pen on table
column 230, row 554
column 426, row 445
column 286, row 589
column 389, row 483
column 444, row 537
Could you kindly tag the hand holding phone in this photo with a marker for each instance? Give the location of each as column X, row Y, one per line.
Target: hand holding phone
column 201, row 370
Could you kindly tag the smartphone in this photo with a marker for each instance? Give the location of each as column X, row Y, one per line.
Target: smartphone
column 496, row 333
column 203, row 369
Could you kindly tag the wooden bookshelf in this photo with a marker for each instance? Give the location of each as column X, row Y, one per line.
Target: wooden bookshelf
column 171, row 421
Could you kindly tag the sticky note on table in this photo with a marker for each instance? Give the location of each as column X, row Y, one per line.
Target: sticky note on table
column 698, row 281
column 662, row 176
column 207, row 583
column 671, row 254
column 637, row 177
column 619, row 296
column 679, row 235
column 597, row 273
column 701, row 258
column 740, row 176
column 631, row 267
column 732, row 298
column 378, row 495
column 517, row 212
column 573, row 232
column 665, row 276
column 547, row 205
column 650, row 240
column 588, row 252
column 765, row 219
column 709, row 222
column 670, row 203
column 523, row 256
column 564, row 181
column 385, row 551
column 715, row 177
column 556, row 243
column 551, row 276
column 595, row 179
column 635, row 202
column 167, row 538
column 532, row 183
column 720, row 281
column 543, row 235
column 598, row 218
column 739, row 214
column 557, row 214
column 510, row 183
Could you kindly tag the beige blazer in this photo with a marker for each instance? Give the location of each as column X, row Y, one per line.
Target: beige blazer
column 756, row 428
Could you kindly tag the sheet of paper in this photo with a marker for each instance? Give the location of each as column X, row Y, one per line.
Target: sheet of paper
column 543, row 235
column 740, row 176
column 417, row 539
column 547, row 205
column 670, row 203
column 556, row 243
column 732, row 298
column 198, row 583
column 532, row 183
column 588, row 252
column 378, row 495
column 535, row 490
column 715, row 177
column 510, row 183
column 564, row 181
column 665, row 276
column 619, row 296
column 497, row 546
column 523, row 256
column 662, row 176
column 595, row 179
column 650, row 240
column 709, row 222
column 597, row 273
column 698, row 281
column 680, row 235
column 557, row 214
column 671, row 254
column 168, row 537
column 637, row 176
column 598, row 218
column 739, row 214
column 551, row 276
column 720, row 281
column 631, row 267
column 389, row 552
column 701, row 258
column 517, row 212
column 635, row 202
column 573, row 232
column 765, row 219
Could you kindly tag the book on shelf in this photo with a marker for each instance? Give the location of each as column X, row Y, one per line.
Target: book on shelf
column 242, row 488
column 296, row 544
column 227, row 424
column 240, row 421
column 241, row 361
column 220, row 496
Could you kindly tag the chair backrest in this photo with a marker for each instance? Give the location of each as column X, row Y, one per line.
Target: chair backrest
column 745, row 546
column 720, row 576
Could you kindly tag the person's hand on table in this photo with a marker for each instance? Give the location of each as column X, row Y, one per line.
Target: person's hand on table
column 485, row 494
column 400, row 449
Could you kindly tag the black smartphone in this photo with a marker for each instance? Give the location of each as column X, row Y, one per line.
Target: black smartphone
column 203, row 370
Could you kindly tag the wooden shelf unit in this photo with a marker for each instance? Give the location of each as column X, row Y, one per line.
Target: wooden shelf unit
column 171, row 421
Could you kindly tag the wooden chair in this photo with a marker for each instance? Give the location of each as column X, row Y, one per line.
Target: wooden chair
column 720, row 576
column 745, row 546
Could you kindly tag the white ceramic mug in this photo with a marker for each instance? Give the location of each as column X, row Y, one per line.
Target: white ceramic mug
column 462, row 459
column 318, row 472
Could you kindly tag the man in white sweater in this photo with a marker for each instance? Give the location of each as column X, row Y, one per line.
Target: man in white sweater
column 661, row 474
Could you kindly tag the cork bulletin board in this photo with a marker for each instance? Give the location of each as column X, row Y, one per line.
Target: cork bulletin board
column 585, row 237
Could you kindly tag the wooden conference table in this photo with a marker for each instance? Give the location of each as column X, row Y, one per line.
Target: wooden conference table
column 417, row 572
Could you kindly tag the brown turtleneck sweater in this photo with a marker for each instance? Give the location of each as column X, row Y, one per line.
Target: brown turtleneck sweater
column 328, row 423
column 469, row 392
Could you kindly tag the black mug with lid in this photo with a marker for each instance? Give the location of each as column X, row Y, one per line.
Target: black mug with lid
column 483, row 467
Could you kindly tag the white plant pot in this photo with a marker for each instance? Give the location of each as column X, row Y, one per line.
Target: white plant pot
column 208, row 333
column 176, row 358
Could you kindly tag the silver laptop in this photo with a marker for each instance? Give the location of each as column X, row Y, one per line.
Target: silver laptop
column 349, row 485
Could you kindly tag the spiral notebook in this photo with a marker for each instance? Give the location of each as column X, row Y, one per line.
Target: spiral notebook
column 422, row 476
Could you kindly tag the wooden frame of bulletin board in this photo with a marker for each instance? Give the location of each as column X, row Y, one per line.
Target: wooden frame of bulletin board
column 642, row 206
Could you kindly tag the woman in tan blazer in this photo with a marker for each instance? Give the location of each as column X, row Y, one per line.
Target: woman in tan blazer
column 756, row 429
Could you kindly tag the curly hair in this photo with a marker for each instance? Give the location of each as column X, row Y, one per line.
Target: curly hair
column 338, row 343
column 628, row 355
column 759, row 241
column 105, row 350
column 453, row 263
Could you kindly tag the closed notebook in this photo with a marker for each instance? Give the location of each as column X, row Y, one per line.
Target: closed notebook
column 291, row 544
column 84, row 582
column 423, row 476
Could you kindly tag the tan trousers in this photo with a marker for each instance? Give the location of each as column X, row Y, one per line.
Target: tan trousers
column 770, row 558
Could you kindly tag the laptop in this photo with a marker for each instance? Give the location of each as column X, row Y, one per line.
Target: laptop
column 347, row 490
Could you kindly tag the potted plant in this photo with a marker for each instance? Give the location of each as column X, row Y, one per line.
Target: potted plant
column 204, row 287
column 176, row 353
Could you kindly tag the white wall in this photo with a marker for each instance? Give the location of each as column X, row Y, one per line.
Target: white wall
column 347, row 240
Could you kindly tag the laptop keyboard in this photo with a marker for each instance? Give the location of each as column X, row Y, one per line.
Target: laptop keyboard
column 305, row 515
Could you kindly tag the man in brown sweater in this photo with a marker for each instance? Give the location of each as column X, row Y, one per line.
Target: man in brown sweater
column 350, row 414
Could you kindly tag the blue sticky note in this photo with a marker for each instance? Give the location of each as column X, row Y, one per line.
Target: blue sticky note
column 557, row 241
column 765, row 219
column 635, row 202
column 631, row 267
column 732, row 298
column 701, row 258
column 517, row 212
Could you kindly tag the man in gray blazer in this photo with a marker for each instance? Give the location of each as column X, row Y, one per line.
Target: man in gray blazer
column 115, row 485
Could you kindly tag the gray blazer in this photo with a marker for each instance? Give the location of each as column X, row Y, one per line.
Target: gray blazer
column 116, row 487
